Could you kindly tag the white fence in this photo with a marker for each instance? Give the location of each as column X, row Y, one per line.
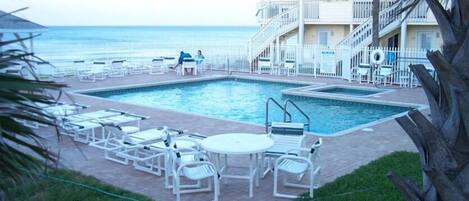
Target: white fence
column 318, row 61
column 343, row 62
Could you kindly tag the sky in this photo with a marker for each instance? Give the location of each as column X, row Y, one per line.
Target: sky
column 136, row 12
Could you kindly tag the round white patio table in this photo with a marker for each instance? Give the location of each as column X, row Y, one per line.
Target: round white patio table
column 239, row 144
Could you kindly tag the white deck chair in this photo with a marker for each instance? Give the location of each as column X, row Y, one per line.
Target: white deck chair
column 84, row 130
column 156, row 66
column 168, row 63
column 189, row 63
column 289, row 67
column 384, row 72
column 99, row 70
column 264, row 64
column 117, row 141
column 298, row 166
column 84, row 72
column 363, row 71
column 198, row 169
column 117, row 69
column 286, row 136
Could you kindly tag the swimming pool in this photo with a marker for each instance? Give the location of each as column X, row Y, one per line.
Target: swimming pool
column 244, row 100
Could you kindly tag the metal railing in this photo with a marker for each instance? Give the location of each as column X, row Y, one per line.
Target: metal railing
column 308, row 124
column 277, row 26
column 389, row 19
column 285, row 112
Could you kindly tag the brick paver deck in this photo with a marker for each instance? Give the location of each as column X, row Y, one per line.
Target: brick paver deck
column 339, row 155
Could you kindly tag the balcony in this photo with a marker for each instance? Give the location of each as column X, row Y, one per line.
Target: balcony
column 337, row 12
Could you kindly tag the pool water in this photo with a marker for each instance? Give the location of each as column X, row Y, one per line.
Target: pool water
column 349, row 91
column 244, row 100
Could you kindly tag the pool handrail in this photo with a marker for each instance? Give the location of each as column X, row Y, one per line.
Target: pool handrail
column 308, row 125
column 285, row 112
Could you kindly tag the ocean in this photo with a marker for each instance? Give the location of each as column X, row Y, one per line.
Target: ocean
column 65, row 44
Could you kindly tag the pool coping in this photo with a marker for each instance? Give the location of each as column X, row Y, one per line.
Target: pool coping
column 317, row 90
column 292, row 91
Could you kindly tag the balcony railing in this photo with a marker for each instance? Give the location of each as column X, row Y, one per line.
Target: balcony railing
column 361, row 10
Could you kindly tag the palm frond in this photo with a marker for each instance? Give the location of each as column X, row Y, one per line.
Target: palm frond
column 21, row 148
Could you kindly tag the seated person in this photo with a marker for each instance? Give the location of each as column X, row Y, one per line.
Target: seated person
column 199, row 58
column 182, row 55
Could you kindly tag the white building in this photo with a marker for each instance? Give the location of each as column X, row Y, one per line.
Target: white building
column 339, row 23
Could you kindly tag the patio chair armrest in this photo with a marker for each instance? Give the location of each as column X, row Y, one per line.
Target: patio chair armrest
column 296, row 158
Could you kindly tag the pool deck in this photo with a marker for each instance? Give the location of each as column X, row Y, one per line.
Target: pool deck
column 340, row 155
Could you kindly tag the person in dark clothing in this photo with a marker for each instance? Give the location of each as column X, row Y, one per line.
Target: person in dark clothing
column 182, row 55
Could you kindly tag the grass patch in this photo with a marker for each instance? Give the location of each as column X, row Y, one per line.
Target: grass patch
column 57, row 186
column 369, row 182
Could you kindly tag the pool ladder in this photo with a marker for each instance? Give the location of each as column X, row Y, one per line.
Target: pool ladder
column 287, row 117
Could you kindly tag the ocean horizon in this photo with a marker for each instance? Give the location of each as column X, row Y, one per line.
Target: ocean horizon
column 63, row 44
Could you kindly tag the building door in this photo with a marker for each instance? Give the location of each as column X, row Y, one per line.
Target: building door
column 323, row 38
column 393, row 42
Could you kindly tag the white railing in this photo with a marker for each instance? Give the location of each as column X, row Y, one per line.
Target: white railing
column 389, row 19
column 343, row 62
column 420, row 14
column 362, row 8
column 276, row 27
column 270, row 9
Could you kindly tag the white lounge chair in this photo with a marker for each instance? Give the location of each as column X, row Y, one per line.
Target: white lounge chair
column 118, row 140
column 83, row 126
column 117, row 69
column 189, row 63
column 156, row 66
column 298, row 166
column 286, row 136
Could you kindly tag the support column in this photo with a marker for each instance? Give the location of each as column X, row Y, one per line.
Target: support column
column 403, row 32
column 301, row 34
column 277, row 51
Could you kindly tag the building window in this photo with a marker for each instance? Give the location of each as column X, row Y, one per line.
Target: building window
column 424, row 40
column 323, row 38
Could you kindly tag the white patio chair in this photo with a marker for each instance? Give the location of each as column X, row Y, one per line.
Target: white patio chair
column 197, row 169
column 363, row 70
column 99, row 70
column 117, row 69
column 286, row 136
column 78, row 65
column 298, row 166
column 289, row 67
column 84, row 72
column 189, row 63
column 264, row 64
column 385, row 71
column 168, row 62
column 156, row 66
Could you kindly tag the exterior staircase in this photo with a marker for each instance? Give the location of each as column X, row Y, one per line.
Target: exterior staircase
column 281, row 24
column 360, row 37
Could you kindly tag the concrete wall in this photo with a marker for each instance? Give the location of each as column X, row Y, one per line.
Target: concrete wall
column 336, row 12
